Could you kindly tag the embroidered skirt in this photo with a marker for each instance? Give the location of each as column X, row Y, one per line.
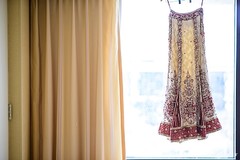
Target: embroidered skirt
column 189, row 110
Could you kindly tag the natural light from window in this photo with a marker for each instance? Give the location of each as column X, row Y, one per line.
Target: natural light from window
column 144, row 29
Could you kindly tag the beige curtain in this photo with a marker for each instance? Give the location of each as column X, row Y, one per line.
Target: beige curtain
column 76, row 82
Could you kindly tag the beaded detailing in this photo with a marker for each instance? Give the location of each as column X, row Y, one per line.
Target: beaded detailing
column 186, row 16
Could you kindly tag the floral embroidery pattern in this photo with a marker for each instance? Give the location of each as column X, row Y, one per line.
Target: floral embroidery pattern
column 189, row 110
column 209, row 109
column 171, row 99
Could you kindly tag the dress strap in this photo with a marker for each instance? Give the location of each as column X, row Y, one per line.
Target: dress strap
column 180, row 3
column 202, row 3
column 169, row 4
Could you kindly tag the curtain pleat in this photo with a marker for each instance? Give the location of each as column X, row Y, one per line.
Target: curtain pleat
column 76, row 82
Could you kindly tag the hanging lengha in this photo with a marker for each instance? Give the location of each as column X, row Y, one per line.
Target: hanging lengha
column 189, row 111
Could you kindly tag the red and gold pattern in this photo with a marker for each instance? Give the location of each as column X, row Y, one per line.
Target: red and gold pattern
column 189, row 110
column 189, row 132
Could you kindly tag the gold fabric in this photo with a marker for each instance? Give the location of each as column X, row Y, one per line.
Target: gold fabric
column 76, row 82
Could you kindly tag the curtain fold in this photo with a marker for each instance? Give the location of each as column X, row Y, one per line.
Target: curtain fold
column 76, row 81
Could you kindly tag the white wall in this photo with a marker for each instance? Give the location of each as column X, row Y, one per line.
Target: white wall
column 3, row 82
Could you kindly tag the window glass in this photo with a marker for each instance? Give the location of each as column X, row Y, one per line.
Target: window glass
column 144, row 36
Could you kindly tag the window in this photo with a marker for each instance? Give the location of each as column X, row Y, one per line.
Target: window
column 145, row 57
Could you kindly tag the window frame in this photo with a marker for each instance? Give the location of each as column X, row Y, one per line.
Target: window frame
column 237, row 91
column 237, row 54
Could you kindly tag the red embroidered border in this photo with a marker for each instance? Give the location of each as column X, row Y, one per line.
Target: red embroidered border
column 183, row 133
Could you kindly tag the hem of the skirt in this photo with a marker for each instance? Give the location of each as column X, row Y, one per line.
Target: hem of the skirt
column 180, row 134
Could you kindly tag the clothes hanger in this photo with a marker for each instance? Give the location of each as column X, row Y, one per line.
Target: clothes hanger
column 179, row 1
